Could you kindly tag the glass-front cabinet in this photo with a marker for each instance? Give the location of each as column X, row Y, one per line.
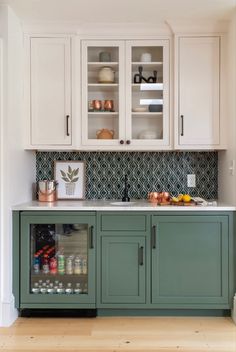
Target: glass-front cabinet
column 102, row 92
column 147, row 111
column 57, row 259
column 125, row 94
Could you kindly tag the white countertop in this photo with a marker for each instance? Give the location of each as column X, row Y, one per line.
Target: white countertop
column 105, row 205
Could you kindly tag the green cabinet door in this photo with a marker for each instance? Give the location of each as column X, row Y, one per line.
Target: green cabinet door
column 123, row 269
column 57, row 255
column 190, row 260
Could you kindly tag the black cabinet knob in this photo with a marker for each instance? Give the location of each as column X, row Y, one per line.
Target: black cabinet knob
column 128, row 141
column 121, row 141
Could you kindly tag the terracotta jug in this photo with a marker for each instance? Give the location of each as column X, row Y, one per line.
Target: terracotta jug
column 105, row 134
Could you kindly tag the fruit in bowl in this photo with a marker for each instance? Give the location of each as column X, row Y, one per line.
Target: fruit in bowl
column 181, row 198
column 186, row 198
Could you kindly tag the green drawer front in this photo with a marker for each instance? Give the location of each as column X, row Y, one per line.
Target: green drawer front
column 129, row 222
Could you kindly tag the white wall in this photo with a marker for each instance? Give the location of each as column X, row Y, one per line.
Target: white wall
column 227, row 181
column 17, row 165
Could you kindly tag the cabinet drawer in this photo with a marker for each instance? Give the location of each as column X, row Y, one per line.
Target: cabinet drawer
column 120, row 222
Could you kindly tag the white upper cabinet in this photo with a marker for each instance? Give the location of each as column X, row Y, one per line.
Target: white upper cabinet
column 197, row 68
column 50, row 93
column 125, row 95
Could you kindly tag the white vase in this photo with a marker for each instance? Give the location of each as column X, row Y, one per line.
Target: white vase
column 106, row 75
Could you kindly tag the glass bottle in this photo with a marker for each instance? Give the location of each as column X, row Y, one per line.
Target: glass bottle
column 69, row 289
column 77, row 289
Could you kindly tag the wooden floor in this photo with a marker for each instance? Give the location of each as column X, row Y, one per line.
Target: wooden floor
column 120, row 334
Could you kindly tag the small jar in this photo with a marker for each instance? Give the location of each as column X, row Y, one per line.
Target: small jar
column 106, row 75
column 104, row 56
column 146, row 57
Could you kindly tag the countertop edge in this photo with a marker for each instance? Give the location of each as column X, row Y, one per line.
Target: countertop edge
column 101, row 205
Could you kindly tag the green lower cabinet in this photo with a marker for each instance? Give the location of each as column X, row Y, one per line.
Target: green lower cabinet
column 124, row 260
column 123, row 269
column 190, row 260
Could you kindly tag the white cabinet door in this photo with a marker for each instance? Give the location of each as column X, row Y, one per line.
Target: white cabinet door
column 103, row 95
column 147, row 94
column 139, row 118
column 198, row 92
column 50, row 92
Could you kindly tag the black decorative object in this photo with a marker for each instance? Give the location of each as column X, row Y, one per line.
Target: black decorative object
column 138, row 77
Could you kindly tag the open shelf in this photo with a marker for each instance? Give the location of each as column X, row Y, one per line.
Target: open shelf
column 147, row 113
column 103, row 113
column 147, row 86
column 94, row 87
column 94, row 66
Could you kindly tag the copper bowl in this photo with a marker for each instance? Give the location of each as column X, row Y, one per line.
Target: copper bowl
column 158, row 197
column 108, row 105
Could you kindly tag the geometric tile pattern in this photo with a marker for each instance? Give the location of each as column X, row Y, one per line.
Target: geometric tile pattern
column 147, row 171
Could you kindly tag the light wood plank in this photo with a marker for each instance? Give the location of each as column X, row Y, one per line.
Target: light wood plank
column 141, row 334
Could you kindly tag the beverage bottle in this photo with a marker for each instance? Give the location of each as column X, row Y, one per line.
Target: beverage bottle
column 69, row 289
column 51, row 289
column 69, row 265
column 36, row 288
column 53, row 265
column 45, row 264
column 77, row 289
column 36, row 264
column 60, row 288
column 78, row 265
column 84, row 266
column 61, row 264
column 44, row 288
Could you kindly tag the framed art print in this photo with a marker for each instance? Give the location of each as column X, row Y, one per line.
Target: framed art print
column 70, row 176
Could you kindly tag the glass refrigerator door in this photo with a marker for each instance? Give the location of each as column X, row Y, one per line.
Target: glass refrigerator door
column 59, row 259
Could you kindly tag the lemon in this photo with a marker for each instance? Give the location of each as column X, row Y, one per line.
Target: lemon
column 175, row 199
column 186, row 198
column 180, row 197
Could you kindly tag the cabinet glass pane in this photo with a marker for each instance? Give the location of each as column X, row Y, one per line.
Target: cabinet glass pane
column 59, row 259
column 103, row 92
column 147, row 92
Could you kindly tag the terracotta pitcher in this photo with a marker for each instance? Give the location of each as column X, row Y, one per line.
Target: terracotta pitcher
column 105, row 134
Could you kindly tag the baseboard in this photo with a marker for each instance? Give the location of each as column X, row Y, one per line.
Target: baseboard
column 8, row 313
column 233, row 311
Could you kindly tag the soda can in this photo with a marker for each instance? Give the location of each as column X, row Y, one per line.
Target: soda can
column 36, row 264
column 69, row 265
column 61, row 264
column 78, row 265
column 53, row 265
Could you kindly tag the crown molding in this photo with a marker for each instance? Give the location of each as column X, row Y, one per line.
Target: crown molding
column 197, row 27
column 94, row 29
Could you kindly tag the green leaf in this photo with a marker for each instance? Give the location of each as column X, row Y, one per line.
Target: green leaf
column 76, row 171
column 63, row 173
column 75, row 179
column 65, row 179
column 70, row 176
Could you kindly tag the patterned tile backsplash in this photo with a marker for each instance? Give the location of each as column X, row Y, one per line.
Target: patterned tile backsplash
column 147, row 171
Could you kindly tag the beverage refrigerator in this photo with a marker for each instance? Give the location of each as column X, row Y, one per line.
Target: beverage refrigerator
column 57, row 261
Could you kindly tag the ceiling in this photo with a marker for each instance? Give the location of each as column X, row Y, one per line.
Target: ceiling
column 132, row 11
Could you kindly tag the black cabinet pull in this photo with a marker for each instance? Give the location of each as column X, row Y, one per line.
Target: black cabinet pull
column 153, row 238
column 128, row 141
column 91, row 244
column 182, row 125
column 140, row 255
column 67, row 125
column 121, row 141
